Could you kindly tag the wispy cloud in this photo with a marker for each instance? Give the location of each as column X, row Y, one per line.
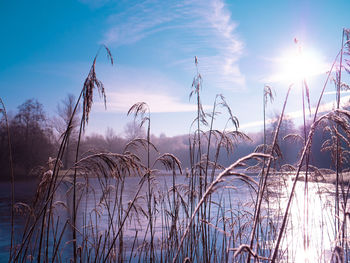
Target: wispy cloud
column 158, row 103
column 255, row 124
column 126, row 86
column 195, row 27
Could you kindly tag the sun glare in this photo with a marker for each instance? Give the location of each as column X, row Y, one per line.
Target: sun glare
column 294, row 66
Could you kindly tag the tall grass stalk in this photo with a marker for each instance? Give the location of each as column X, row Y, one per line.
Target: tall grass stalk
column 338, row 153
column 197, row 223
column 305, row 152
column 264, row 176
column 142, row 109
column 87, row 93
column 209, row 191
column 331, row 116
column 12, row 177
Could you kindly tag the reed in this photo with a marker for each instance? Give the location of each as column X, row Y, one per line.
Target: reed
column 12, row 177
column 85, row 215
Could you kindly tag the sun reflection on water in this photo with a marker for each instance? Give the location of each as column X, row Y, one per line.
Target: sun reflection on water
column 310, row 234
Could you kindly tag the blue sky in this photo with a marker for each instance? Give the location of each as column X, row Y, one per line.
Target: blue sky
column 48, row 46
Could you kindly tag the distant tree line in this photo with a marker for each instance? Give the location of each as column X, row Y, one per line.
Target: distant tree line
column 35, row 138
column 31, row 139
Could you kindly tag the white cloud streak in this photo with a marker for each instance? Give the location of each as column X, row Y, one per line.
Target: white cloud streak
column 195, row 27
column 127, row 86
column 159, row 103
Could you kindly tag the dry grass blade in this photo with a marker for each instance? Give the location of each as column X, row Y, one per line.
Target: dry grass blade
column 91, row 82
column 169, row 160
column 215, row 227
column 12, row 177
column 135, row 143
column 268, row 94
column 209, row 191
column 237, row 135
column 246, row 248
column 293, row 138
column 340, row 117
column 111, row 164
column 247, row 179
column 338, row 255
column 23, row 208
column 277, row 151
column 307, row 91
column 288, row 168
column 263, row 181
column 139, row 108
column 261, row 148
column 233, row 118
column 109, row 54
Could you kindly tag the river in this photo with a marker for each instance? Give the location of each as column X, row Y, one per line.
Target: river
column 310, row 233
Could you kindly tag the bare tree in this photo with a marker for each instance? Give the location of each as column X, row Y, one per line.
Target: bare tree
column 113, row 141
column 133, row 130
column 31, row 134
column 64, row 113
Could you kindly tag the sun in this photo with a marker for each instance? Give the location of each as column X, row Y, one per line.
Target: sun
column 296, row 64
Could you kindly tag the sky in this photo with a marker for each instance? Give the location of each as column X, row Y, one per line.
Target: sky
column 48, row 47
